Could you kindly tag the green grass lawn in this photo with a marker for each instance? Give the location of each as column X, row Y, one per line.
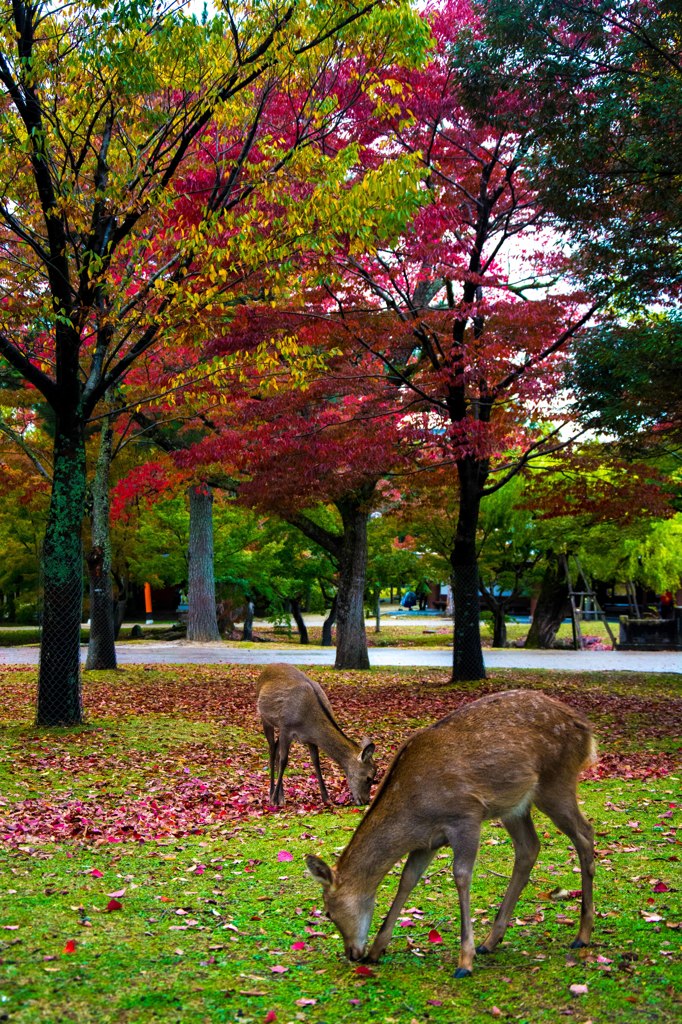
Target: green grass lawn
column 143, row 877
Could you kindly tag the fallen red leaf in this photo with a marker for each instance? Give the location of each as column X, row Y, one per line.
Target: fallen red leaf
column 70, row 946
column 113, row 905
column 435, row 936
column 364, row 971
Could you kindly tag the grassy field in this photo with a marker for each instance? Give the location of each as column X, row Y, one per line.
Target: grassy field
column 143, row 877
column 435, row 633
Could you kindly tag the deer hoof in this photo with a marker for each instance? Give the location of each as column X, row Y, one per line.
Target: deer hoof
column 462, row 972
column 483, row 950
column 578, row 944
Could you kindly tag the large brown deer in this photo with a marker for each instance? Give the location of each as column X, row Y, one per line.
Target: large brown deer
column 493, row 758
column 293, row 707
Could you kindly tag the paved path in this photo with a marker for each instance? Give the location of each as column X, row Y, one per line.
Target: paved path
column 181, row 652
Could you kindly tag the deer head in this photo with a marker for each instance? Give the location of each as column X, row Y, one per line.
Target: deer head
column 361, row 771
column 349, row 910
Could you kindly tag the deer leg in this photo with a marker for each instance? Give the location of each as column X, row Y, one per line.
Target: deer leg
column 315, row 756
column 526, row 849
column 563, row 810
column 464, row 842
column 415, row 866
column 272, row 755
column 283, row 746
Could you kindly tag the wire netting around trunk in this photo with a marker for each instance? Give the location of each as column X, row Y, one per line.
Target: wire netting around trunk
column 59, row 698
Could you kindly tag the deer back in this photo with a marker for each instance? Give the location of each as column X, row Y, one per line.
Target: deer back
column 488, row 759
column 287, row 697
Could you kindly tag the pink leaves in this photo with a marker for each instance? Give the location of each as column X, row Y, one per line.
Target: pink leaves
column 578, row 990
column 661, row 887
column 96, row 873
column 278, row 969
column 284, row 855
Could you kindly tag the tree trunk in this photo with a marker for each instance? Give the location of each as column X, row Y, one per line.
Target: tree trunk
column 295, row 606
column 327, row 639
column 202, row 620
column 551, row 606
column 120, row 604
column 467, row 653
column 351, row 639
column 59, row 678
column 247, row 628
column 101, row 647
column 498, row 609
column 499, row 626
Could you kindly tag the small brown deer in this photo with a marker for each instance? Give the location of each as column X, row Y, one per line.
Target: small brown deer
column 293, row 707
column 492, row 758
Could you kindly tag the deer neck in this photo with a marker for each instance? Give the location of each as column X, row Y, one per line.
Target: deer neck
column 338, row 747
column 377, row 844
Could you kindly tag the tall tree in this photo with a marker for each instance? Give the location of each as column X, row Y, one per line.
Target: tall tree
column 461, row 312
column 104, row 109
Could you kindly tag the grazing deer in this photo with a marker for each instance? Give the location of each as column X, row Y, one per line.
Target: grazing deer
column 293, row 707
column 493, row 758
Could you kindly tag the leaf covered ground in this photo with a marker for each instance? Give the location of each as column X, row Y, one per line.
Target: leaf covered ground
column 145, row 878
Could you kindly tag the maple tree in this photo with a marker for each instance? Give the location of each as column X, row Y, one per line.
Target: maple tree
column 461, row 312
column 327, row 443
column 105, row 109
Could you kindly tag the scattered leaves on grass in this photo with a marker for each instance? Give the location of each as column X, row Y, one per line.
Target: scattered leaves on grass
column 109, row 785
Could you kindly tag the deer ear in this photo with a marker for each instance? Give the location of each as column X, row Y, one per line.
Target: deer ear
column 367, row 750
column 319, row 870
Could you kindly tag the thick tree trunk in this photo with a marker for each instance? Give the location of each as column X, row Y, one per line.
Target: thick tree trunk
column 467, row 653
column 351, row 638
column 59, row 678
column 295, row 606
column 551, row 606
column 327, row 639
column 101, row 647
column 202, row 620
